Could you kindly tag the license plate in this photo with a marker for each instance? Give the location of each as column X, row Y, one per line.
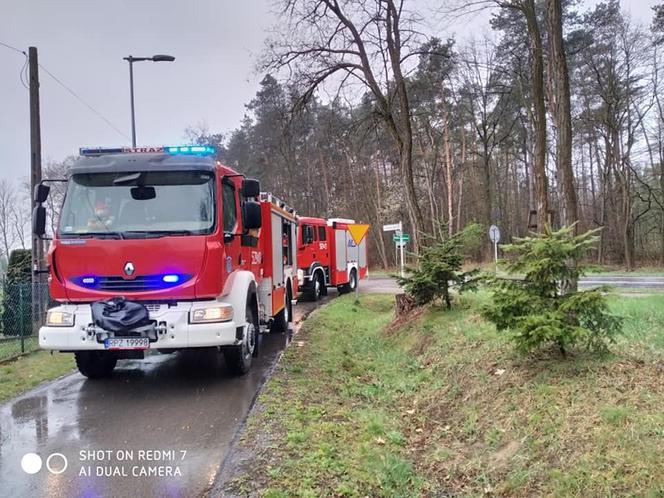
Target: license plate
column 127, row 343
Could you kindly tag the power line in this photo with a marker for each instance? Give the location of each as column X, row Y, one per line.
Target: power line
column 12, row 48
column 22, row 75
column 24, row 82
column 77, row 97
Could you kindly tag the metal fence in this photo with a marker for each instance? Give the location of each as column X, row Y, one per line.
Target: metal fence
column 19, row 323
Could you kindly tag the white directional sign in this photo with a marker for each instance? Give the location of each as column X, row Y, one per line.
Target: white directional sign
column 494, row 234
column 399, row 239
column 393, row 227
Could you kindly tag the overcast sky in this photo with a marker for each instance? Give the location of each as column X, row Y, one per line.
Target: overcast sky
column 82, row 42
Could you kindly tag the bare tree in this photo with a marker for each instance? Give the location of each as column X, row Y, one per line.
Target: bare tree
column 20, row 220
column 7, row 201
column 366, row 42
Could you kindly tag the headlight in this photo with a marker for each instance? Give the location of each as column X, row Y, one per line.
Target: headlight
column 214, row 314
column 56, row 318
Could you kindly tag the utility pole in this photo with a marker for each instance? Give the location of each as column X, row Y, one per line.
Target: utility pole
column 35, row 179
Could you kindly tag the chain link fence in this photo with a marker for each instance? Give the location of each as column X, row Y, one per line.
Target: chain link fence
column 19, row 323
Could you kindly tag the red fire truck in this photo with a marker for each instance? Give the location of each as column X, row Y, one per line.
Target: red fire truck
column 328, row 257
column 169, row 228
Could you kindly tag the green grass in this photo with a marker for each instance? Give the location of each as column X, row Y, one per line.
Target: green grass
column 441, row 404
column 644, row 321
column 12, row 347
column 28, row 371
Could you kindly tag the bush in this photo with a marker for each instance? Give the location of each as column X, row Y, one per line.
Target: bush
column 17, row 294
column 440, row 270
column 545, row 307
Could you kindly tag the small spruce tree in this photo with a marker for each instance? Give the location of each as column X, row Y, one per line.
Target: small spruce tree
column 439, row 270
column 544, row 307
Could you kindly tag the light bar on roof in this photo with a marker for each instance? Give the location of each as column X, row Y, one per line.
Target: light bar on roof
column 191, row 150
column 196, row 150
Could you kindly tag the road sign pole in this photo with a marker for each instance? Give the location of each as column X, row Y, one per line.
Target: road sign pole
column 494, row 236
column 401, row 251
column 357, row 276
column 495, row 255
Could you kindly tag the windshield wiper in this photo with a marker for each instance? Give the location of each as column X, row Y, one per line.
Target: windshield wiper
column 93, row 235
column 136, row 234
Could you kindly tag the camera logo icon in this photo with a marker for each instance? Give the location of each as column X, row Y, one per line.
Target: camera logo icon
column 56, row 463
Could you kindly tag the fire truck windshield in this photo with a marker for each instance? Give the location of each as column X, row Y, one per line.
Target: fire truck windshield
column 134, row 205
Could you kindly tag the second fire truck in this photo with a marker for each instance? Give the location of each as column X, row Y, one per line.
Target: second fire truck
column 327, row 256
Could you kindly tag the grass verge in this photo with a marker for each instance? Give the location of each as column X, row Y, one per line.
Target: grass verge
column 26, row 372
column 11, row 346
column 440, row 405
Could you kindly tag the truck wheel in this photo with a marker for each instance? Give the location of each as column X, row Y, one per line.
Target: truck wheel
column 283, row 318
column 323, row 285
column 95, row 364
column 350, row 286
column 238, row 358
column 352, row 283
column 316, row 287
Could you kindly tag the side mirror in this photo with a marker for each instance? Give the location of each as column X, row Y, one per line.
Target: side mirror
column 39, row 221
column 40, row 193
column 251, row 215
column 250, row 188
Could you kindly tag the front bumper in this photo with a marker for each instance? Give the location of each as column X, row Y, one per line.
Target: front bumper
column 173, row 331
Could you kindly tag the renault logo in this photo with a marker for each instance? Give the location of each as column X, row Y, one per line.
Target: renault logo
column 129, row 268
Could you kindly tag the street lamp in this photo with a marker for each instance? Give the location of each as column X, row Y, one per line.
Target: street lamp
column 131, row 59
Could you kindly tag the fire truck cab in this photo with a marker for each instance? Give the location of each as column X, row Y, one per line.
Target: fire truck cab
column 327, row 256
column 194, row 242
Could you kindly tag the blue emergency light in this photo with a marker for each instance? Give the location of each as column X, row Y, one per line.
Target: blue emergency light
column 198, row 150
column 191, row 150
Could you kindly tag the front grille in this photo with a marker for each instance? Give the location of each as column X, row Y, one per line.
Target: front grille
column 141, row 283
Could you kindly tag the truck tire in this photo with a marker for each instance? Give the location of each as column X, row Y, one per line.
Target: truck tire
column 238, row 358
column 283, row 318
column 316, row 289
column 352, row 282
column 95, row 364
column 350, row 286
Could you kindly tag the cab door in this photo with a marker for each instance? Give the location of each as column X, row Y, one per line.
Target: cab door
column 231, row 226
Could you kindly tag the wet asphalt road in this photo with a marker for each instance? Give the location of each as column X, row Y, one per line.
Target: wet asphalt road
column 187, row 406
column 382, row 284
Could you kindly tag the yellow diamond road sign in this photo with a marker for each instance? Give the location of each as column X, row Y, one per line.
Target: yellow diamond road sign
column 358, row 231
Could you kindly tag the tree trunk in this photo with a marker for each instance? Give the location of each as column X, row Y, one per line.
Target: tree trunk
column 539, row 115
column 448, row 176
column 562, row 115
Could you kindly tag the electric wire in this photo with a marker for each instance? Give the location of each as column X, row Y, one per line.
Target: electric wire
column 23, row 76
column 22, row 73
column 80, row 99
column 12, row 47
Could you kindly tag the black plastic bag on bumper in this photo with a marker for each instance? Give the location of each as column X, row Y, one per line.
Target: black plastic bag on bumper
column 117, row 315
